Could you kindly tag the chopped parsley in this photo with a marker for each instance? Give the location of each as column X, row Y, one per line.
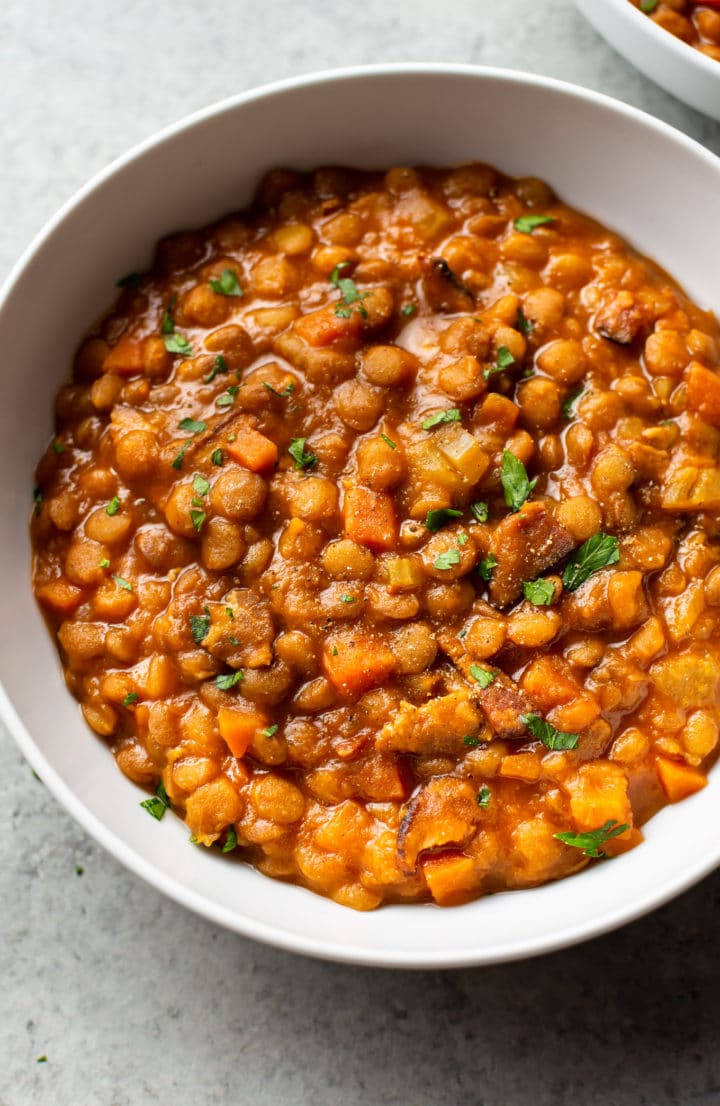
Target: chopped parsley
column 227, row 284
column 230, row 613
column 597, row 552
column 526, row 223
column 130, row 698
column 482, row 676
column 591, row 841
column 540, row 592
column 479, row 511
column 524, row 324
column 192, row 426
column 200, row 626
column 348, row 598
column 217, row 456
column 228, row 398
column 349, row 294
column 200, row 484
column 567, row 407
column 58, row 447
column 388, row 441
column 230, row 840
column 503, row 361
column 452, row 414
column 335, row 650
column 648, row 6
column 287, row 390
column 104, row 563
column 486, row 565
column 44, row 1059
column 303, row 458
column 545, row 732
column 229, row 679
column 439, row 517
column 37, row 501
column 447, row 559
column 219, row 366
column 158, row 804
column 178, row 343
column 177, row 463
column 516, row 485
column 197, row 517
column 167, row 323
column 462, row 539
column 408, row 309
column 113, row 506
column 483, row 797
column 122, row 583
column 471, row 742
column 271, row 730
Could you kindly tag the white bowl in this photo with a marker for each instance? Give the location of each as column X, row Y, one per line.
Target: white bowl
column 599, row 154
column 677, row 67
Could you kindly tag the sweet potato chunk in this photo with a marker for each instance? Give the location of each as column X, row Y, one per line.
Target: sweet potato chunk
column 703, row 392
column 525, row 545
column 355, row 662
column 598, row 794
column 451, row 878
column 678, row 779
column 370, row 518
column 444, row 812
column 436, row 728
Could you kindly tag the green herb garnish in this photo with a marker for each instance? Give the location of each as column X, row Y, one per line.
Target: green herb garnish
column 482, row 676
column 217, row 456
column 197, row 517
column 540, row 592
column 227, row 284
column 229, row 679
column 471, row 742
column 178, row 343
column 228, row 398
column 230, row 840
column 452, row 414
column 388, row 441
column 113, row 506
column 514, row 478
column 597, row 552
column 524, row 324
column 104, row 562
column 271, row 730
column 200, row 626
column 567, row 407
column 526, row 223
column 58, row 447
column 439, row 517
column 158, row 804
column 349, row 294
column 37, row 501
column 503, row 361
column 486, row 565
column 303, row 458
column 648, row 6
column 191, row 426
column 408, row 309
column 200, row 484
column 130, row 698
column 484, row 796
column 545, row 732
column 219, row 366
column 591, row 841
column 447, row 559
column 122, row 583
column 348, row 598
column 479, row 511
column 287, row 390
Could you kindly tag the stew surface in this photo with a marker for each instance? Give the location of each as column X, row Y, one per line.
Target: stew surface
column 379, row 534
column 698, row 24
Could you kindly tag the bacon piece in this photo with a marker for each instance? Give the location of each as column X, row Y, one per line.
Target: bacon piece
column 503, row 701
column 444, row 812
column 525, row 545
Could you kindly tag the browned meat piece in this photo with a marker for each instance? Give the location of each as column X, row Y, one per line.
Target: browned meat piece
column 525, row 545
column 436, row 728
column 503, row 701
column 607, row 601
column 443, row 288
column 444, row 812
column 622, row 319
column 245, row 639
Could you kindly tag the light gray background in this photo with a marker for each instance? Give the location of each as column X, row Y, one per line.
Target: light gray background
column 132, row 999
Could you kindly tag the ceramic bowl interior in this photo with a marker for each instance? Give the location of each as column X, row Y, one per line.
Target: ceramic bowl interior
column 609, row 160
column 677, row 67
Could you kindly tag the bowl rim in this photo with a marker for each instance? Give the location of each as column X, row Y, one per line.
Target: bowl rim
column 274, row 935
column 684, row 51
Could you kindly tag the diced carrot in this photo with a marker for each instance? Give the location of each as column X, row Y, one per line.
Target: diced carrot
column 253, row 450
column 125, row 357
column 370, row 518
column 325, row 328
column 678, row 779
column 354, row 663
column 238, row 728
column 703, row 392
column 450, row 878
column 59, row 596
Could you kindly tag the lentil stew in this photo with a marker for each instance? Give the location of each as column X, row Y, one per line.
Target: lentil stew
column 696, row 22
column 379, row 534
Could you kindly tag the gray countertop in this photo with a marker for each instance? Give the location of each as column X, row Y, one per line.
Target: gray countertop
column 131, row 998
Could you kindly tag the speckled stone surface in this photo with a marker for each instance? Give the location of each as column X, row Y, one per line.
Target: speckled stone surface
column 132, row 999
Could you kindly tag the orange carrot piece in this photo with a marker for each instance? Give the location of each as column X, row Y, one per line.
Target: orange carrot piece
column 125, row 357
column 238, row 728
column 370, row 518
column 450, row 878
column 678, row 779
column 253, row 450
column 703, row 392
column 549, row 681
column 356, row 663
column 59, row 596
column 324, row 327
